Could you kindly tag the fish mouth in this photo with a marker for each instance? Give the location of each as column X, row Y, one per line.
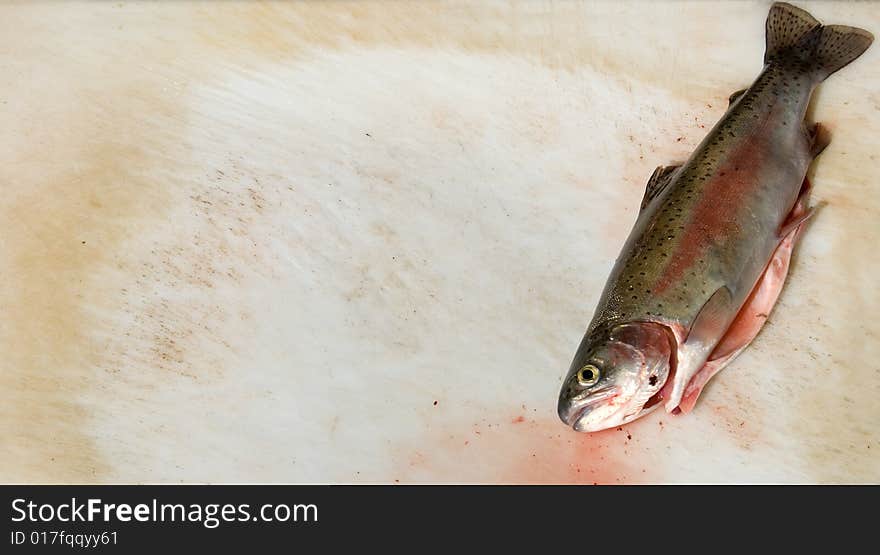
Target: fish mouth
column 602, row 411
column 576, row 414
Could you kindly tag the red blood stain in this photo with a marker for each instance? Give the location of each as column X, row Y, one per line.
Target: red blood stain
column 739, row 416
column 515, row 450
column 569, row 457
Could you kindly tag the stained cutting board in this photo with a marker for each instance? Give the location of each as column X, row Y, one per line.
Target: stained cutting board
column 360, row 242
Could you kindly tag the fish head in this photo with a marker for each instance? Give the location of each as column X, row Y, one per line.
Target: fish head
column 616, row 376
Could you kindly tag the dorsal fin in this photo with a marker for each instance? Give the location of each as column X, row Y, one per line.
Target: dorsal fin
column 732, row 98
column 661, row 177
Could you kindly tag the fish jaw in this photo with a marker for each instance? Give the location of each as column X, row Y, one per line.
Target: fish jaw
column 591, row 414
column 608, row 412
column 615, row 411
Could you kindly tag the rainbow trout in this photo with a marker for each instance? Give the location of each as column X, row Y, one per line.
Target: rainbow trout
column 710, row 249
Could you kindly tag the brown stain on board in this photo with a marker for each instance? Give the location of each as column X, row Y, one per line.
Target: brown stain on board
column 92, row 161
column 738, row 415
column 66, row 227
column 563, row 36
column 82, row 153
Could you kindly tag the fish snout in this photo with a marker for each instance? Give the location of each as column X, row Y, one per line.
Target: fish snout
column 587, row 411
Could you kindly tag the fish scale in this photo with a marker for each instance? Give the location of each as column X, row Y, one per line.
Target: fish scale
column 635, row 288
column 713, row 239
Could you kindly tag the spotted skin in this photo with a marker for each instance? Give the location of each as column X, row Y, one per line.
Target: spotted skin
column 715, row 224
column 711, row 230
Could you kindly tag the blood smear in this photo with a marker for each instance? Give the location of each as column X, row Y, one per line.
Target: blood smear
column 521, row 451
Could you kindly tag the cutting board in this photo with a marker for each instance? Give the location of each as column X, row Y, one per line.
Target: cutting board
column 360, row 242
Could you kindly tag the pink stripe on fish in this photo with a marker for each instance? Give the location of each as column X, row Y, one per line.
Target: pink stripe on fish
column 713, row 217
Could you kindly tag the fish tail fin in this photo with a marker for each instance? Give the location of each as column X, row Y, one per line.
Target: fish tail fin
column 838, row 46
column 797, row 39
column 786, row 27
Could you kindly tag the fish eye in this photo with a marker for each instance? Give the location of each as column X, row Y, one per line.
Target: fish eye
column 588, row 375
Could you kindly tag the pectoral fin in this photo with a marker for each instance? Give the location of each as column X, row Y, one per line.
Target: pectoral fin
column 748, row 322
column 707, row 329
column 713, row 318
column 753, row 314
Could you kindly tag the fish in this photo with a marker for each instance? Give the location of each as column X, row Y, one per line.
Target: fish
column 710, row 249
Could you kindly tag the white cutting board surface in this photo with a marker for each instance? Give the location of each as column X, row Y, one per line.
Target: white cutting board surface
column 360, row 242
